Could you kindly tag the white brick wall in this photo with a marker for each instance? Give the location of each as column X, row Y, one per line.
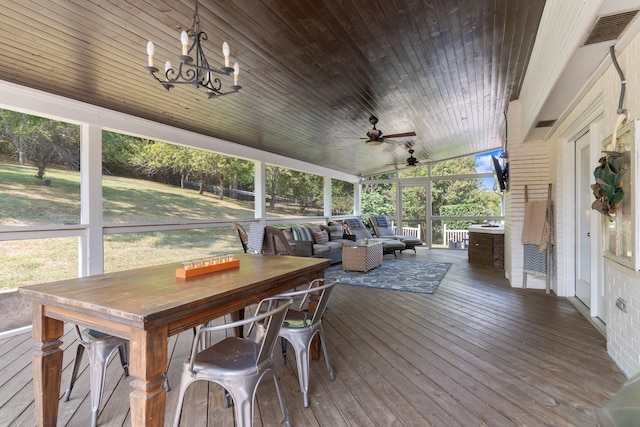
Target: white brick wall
column 623, row 338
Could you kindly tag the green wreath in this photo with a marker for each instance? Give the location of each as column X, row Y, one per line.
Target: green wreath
column 608, row 187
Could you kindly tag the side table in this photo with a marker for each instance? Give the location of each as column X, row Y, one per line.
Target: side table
column 361, row 255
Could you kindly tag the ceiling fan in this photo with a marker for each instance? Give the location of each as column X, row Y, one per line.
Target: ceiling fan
column 412, row 161
column 374, row 136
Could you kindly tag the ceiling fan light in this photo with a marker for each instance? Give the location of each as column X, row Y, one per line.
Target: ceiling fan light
column 374, row 134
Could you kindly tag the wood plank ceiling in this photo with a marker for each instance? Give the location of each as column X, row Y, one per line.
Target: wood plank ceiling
column 312, row 72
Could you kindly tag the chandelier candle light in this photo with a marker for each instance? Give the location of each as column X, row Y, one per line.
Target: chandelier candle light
column 195, row 71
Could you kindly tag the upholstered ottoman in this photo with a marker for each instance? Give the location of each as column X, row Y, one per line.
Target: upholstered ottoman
column 361, row 255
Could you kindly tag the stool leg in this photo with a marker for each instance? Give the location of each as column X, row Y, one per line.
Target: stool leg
column 74, row 372
column 123, row 350
column 283, row 342
column 99, row 354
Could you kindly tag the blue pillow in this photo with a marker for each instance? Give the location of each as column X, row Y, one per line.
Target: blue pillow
column 382, row 221
column 301, row 234
column 354, row 224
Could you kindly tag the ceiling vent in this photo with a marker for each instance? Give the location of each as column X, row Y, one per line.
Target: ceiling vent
column 609, row 27
column 545, row 123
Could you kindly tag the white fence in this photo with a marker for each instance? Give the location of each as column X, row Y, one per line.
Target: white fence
column 408, row 231
column 455, row 239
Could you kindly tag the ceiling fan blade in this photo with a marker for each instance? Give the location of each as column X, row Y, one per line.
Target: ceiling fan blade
column 400, row 135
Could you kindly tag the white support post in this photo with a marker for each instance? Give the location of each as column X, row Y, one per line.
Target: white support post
column 327, row 199
column 260, row 190
column 91, row 245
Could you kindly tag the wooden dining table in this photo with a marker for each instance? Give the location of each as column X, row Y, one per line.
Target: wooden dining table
column 146, row 306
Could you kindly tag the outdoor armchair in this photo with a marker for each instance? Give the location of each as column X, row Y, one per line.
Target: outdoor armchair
column 358, row 229
column 244, row 237
column 382, row 228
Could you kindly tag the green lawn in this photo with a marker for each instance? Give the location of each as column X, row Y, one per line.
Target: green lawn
column 25, row 201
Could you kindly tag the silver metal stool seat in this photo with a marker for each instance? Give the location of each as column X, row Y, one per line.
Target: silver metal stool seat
column 299, row 328
column 99, row 347
column 237, row 364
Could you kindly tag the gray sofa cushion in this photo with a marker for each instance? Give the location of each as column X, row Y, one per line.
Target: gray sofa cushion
column 333, row 245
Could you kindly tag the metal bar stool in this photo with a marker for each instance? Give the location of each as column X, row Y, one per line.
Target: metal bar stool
column 99, row 347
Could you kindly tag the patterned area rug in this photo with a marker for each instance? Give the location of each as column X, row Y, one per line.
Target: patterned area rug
column 395, row 274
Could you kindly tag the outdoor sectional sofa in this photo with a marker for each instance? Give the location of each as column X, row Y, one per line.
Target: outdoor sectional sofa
column 326, row 241
column 322, row 241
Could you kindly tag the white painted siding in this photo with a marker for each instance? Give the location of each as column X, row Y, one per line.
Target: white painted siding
column 623, row 329
column 530, row 165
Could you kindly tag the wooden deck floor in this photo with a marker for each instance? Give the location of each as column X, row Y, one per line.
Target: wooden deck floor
column 477, row 353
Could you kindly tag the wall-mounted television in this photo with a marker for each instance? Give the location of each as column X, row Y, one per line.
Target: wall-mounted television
column 500, row 174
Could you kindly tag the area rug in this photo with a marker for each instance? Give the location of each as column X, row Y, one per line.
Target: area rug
column 395, row 274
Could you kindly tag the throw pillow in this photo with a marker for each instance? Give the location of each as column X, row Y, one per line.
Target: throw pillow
column 334, row 231
column 354, row 224
column 301, row 233
column 320, row 237
column 382, row 221
column 288, row 234
column 314, row 228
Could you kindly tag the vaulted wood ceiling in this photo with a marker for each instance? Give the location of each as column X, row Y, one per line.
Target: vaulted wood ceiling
column 312, row 72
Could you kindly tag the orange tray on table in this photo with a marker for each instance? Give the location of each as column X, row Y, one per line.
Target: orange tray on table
column 206, row 269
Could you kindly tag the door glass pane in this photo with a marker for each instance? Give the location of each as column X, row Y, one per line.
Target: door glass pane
column 584, row 269
column 414, row 208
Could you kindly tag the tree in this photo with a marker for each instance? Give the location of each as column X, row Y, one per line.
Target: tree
column 276, row 177
column 379, row 198
column 227, row 170
column 341, row 197
column 305, row 189
column 41, row 141
column 117, row 152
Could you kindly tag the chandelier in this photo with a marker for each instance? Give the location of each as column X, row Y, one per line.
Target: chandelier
column 194, row 68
